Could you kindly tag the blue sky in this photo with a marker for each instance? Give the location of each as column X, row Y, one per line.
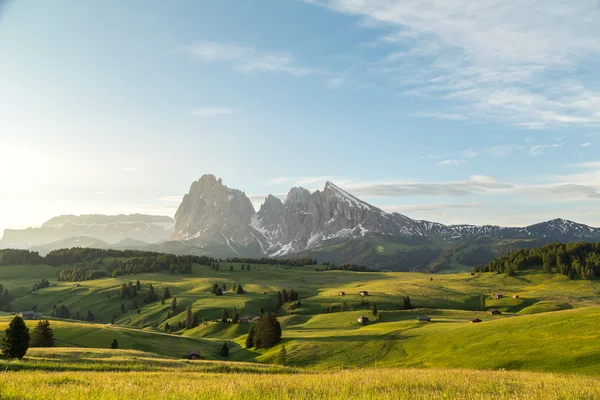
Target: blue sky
column 443, row 110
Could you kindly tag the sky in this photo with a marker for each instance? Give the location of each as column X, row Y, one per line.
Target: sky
column 445, row 110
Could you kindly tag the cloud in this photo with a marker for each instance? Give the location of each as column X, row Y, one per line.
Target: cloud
column 586, row 144
column 129, row 169
column 476, row 184
column 176, row 199
column 508, row 61
column 431, row 207
column 298, row 181
column 451, row 162
column 469, row 153
column 539, row 149
column 246, row 59
column 440, row 115
column 105, row 193
column 211, row 111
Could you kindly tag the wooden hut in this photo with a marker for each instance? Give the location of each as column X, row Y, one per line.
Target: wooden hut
column 474, row 320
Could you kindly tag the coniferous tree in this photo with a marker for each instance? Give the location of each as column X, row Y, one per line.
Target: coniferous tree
column 138, row 286
column 214, row 288
column 268, row 331
column 250, row 337
column 16, row 339
column 225, row 315
column 279, row 301
column 236, row 318
column 225, row 350
column 174, row 304
column 374, row 309
column 114, row 344
column 248, row 268
column 167, row 294
column 231, row 268
column 42, row 335
column 191, row 321
column 122, row 308
column 285, row 298
column 240, row 290
column 90, row 316
column 482, row 302
column 407, row 305
column 219, row 292
column 282, row 355
column 167, row 327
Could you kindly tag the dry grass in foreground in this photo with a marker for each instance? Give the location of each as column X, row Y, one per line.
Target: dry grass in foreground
column 356, row 384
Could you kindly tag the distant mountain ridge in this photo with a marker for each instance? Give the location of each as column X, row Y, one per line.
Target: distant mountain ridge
column 328, row 225
column 213, row 216
column 110, row 229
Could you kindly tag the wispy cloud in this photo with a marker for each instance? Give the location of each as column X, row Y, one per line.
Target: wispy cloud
column 440, row 115
column 176, row 199
column 509, row 61
column 586, row 144
column 451, row 162
column 211, row 111
column 247, row 59
column 431, row 207
column 474, row 185
column 539, row 148
column 298, row 181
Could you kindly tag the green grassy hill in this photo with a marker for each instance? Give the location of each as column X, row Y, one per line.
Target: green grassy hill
column 562, row 339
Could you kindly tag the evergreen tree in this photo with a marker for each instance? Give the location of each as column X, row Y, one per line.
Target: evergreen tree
column 279, row 301
column 167, row 294
column 42, row 335
column 482, row 302
column 114, row 344
column 174, row 304
column 248, row 267
column 219, row 292
column 214, row 288
column 243, row 267
column 407, row 305
column 236, row 318
column 16, row 339
column 225, row 350
column 268, row 331
column 231, row 268
column 374, row 309
column 167, row 327
column 285, row 298
column 150, row 296
column 122, row 308
column 250, row 337
column 90, row 316
column 138, row 286
column 293, row 295
column 225, row 315
column 282, row 355
column 223, row 288
column 191, row 320
column 124, row 291
column 239, row 290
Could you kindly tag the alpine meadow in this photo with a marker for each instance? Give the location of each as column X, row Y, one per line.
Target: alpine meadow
column 299, row 199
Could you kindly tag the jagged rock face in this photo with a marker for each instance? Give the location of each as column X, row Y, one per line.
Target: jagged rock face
column 271, row 213
column 213, row 214
column 295, row 211
column 106, row 228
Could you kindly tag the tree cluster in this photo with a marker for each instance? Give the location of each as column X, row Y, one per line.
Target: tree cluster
column 19, row 257
column 265, row 333
column 298, row 262
column 575, row 260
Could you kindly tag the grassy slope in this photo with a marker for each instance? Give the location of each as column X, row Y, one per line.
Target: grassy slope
column 172, row 379
column 330, row 340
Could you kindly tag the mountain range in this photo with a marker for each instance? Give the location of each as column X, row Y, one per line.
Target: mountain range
column 329, row 225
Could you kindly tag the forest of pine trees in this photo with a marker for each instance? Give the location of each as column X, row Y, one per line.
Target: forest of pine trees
column 575, row 260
